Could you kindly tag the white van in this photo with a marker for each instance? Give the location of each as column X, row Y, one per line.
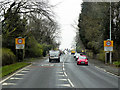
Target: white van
column 54, row 55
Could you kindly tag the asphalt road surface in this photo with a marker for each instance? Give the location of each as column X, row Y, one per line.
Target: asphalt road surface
column 66, row 74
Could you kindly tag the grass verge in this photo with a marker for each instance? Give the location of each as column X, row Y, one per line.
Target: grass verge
column 116, row 63
column 8, row 69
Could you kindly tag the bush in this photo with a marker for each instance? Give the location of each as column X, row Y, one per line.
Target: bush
column 101, row 55
column 46, row 48
column 33, row 48
column 8, row 57
column 0, row 56
column 117, row 63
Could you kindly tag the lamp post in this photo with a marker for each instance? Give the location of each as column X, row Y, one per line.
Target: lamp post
column 110, row 34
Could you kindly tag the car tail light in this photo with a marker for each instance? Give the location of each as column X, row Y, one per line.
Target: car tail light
column 86, row 60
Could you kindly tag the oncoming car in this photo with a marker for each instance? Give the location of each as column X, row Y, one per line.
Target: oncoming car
column 82, row 60
column 54, row 55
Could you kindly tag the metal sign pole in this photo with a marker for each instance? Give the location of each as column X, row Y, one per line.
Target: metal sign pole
column 110, row 33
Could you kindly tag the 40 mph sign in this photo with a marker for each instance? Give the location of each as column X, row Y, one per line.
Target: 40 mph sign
column 108, row 45
column 19, row 43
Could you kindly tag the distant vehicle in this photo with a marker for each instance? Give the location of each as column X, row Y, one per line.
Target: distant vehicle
column 75, row 55
column 54, row 55
column 73, row 52
column 82, row 60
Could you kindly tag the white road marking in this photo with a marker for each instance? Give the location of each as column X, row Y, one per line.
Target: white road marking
column 63, row 69
column 15, row 78
column 65, row 74
column 13, row 74
column 8, row 84
column 71, row 83
column 61, row 75
column 51, row 64
column 59, row 72
column 19, row 74
column 24, row 71
column 64, row 85
column 106, row 71
column 101, row 69
column 63, row 79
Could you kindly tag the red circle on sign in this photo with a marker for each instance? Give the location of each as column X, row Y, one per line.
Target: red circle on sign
column 108, row 43
column 19, row 41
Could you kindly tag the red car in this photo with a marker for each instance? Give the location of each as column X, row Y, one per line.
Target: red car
column 82, row 60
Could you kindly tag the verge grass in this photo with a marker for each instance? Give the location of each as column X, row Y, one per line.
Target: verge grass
column 9, row 69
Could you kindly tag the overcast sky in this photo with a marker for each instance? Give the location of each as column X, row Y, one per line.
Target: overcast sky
column 67, row 13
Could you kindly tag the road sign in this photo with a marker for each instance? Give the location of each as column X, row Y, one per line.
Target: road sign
column 108, row 45
column 108, row 49
column 20, row 43
column 20, row 46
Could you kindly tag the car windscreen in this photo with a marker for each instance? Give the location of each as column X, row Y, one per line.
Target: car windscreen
column 81, row 57
column 54, row 53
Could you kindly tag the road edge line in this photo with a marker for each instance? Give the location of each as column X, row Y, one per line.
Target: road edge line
column 107, row 71
column 14, row 74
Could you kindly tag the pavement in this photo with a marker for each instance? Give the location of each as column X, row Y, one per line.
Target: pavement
column 66, row 75
column 106, row 67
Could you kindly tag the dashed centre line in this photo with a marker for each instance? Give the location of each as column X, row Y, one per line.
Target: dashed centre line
column 65, row 74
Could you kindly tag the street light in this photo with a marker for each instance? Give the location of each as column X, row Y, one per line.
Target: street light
column 110, row 34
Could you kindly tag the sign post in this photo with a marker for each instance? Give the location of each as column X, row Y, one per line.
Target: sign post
column 108, row 47
column 19, row 46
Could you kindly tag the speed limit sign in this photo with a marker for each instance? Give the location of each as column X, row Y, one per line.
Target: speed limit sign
column 108, row 45
column 19, row 43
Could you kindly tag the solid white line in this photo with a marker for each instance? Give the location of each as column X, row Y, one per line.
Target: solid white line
column 13, row 74
column 71, row 83
column 106, row 71
column 8, row 84
column 101, row 69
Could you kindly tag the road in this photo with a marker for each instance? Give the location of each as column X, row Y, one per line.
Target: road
column 66, row 74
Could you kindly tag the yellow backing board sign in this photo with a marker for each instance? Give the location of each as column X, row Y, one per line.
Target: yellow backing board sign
column 108, row 43
column 19, row 41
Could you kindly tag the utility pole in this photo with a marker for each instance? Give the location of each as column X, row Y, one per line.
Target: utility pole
column 110, row 34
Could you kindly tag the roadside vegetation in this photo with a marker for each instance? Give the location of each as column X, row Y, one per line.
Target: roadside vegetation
column 31, row 20
column 9, row 69
column 94, row 26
